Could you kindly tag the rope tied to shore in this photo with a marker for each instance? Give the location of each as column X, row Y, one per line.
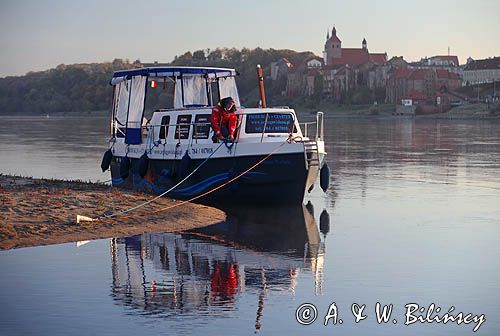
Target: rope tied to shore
column 124, row 212
column 80, row 218
column 225, row 183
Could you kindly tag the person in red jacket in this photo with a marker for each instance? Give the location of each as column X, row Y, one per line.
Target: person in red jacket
column 224, row 120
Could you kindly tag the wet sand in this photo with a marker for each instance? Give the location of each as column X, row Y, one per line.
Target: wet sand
column 40, row 212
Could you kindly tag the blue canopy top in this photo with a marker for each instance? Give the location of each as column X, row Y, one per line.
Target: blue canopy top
column 174, row 71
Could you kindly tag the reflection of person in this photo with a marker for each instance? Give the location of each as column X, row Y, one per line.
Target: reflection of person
column 224, row 120
column 224, row 279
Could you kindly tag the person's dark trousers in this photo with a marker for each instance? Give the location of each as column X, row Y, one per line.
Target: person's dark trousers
column 225, row 133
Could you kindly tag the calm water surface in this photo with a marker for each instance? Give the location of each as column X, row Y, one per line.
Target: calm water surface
column 412, row 216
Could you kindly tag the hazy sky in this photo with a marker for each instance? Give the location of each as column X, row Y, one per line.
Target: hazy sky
column 40, row 34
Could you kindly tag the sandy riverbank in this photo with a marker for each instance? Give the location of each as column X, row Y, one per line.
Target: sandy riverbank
column 40, row 212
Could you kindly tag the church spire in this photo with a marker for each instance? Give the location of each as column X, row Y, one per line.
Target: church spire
column 364, row 44
column 334, row 31
column 327, row 34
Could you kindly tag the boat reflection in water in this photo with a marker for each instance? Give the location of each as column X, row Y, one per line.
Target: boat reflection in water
column 206, row 270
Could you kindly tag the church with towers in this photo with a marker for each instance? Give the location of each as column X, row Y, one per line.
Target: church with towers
column 358, row 76
column 340, row 70
column 334, row 54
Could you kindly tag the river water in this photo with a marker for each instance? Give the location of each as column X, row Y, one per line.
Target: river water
column 412, row 216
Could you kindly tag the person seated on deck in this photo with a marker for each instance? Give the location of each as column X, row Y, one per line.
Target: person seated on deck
column 224, row 120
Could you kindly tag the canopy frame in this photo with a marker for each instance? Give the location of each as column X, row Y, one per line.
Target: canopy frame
column 189, row 91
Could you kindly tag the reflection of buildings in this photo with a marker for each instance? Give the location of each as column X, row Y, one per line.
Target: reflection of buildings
column 364, row 153
column 205, row 270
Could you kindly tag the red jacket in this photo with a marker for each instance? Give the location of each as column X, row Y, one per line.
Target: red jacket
column 221, row 117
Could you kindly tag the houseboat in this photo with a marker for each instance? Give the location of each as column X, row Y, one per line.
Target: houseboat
column 162, row 140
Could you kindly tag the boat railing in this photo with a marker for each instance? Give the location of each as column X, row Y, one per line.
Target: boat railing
column 317, row 126
column 184, row 129
column 305, row 127
column 320, row 130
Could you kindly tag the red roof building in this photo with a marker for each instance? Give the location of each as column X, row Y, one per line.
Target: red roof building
column 415, row 95
column 419, row 84
column 450, row 59
column 334, row 54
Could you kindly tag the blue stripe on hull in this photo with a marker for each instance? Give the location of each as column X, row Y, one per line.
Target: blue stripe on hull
column 280, row 179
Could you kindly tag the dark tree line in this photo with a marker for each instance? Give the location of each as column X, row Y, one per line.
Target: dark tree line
column 85, row 87
column 67, row 88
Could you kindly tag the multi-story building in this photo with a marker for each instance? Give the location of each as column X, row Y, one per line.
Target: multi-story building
column 349, row 68
column 443, row 62
column 301, row 80
column 334, row 54
column 421, row 85
column 280, row 68
column 449, row 62
column 481, row 71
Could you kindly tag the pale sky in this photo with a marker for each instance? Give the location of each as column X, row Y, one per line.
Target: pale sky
column 41, row 34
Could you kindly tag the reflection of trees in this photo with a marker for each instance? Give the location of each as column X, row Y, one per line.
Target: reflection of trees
column 205, row 270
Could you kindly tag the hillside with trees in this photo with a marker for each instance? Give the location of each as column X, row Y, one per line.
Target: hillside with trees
column 85, row 87
column 67, row 88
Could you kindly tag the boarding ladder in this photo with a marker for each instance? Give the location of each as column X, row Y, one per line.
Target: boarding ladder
column 311, row 153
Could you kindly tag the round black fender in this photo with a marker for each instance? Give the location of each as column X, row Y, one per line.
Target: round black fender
column 184, row 165
column 324, row 177
column 106, row 160
column 324, row 222
column 143, row 164
column 124, row 167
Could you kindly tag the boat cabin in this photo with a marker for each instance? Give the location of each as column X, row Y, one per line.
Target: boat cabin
column 173, row 105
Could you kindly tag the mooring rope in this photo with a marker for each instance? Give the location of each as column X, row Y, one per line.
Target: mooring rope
column 155, row 198
column 225, row 183
column 193, row 198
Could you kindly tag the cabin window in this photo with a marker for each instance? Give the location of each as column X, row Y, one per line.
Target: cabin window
column 191, row 91
column 159, row 95
column 183, row 126
column 213, row 93
column 275, row 123
column 165, row 121
column 202, row 126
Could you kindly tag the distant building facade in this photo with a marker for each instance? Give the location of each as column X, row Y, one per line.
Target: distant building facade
column 334, row 54
column 342, row 70
column 482, row 71
column 280, row 68
column 447, row 61
column 302, row 79
column 443, row 62
column 351, row 68
column 420, row 85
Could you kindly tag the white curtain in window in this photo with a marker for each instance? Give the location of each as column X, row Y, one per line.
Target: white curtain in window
column 194, row 90
column 227, row 88
column 136, row 108
column 178, row 94
column 122, row 91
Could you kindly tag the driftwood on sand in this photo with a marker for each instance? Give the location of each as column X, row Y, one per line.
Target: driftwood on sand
column 39, row 212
